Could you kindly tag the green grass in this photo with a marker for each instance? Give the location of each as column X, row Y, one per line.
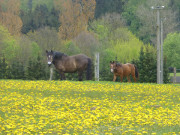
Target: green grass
column 172, row 74
column 90, row 107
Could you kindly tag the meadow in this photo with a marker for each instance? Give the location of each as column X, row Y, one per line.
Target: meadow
column 102, row 108
column 172, row 74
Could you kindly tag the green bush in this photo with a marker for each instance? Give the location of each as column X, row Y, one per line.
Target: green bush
column 36, row 70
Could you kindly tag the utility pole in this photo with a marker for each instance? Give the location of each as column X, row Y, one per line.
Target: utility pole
column 158, row 8
column 162, row 51
column 158, row 47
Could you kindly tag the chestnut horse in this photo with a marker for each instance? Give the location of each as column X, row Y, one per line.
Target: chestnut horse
column 124, row 70
column 70, row 64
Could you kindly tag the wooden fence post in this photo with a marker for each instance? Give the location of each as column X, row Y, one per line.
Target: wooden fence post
column 96, row 67
column 51, row 73
column 174, row 79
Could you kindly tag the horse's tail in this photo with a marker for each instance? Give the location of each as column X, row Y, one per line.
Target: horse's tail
column 136, row 72
column 89, row 73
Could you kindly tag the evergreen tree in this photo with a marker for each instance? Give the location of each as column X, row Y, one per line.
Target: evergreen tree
column 53, row 19
column 40, row 69
column 108, row 6
column 150, row 67
column 29, row 74
column 36, row 70
column 147, row 66
column 1, row 69
column 17, row 70
column 38, row 18
column 4, row 69
column 140, row 65
column 29, row 5
column 27, row 21
column 165, row 72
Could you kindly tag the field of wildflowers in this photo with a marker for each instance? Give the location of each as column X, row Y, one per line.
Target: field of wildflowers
column 102, row 108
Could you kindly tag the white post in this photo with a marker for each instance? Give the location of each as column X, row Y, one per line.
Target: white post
column 96, row 67
column 174, row 78
column 51, row 73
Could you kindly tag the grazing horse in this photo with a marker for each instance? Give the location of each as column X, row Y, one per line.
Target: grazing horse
column 124, row 70
column 70, row 64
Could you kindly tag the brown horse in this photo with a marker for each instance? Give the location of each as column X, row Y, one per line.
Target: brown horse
column 124, row 70
column 70, row 64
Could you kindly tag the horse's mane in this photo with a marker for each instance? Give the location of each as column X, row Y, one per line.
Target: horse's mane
column 58, row 55
column 118, row 64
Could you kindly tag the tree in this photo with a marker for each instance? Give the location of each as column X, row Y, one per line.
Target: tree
column 172, row 49
column 30, row 70
column 101, row 31
column 17, row 70
column 130, row 16
column 175, row 5
column 53, row 19
column 9, row 16
column 105, row 27
column 8, row 45
column 150, row 67
column 30, row 5
column 40, row 17
column 4, row 69
column 40, row 37
column 27, row 21
column 114, row 41
column 140, row 65
column 108, row 6
column 165, row 71
column 87, row 43
column 71, row 48
column 147, row 65
column 36, row 70
column 75, row 20
column 105, row 58
column 27, row 49
column 147, row 16
column 127, row 46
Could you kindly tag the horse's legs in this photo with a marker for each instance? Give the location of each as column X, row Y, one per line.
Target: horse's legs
column 121, row 78
column 80, row 74
column 114, row 78
column 134, row 78
column 128, row 77
column 133, row 74
column 62, row 75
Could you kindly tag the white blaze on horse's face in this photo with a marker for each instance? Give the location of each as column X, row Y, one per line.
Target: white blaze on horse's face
column 112, row 68
column 49, row 59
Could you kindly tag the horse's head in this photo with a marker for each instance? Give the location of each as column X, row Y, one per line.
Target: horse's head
column 112, row 66
column 49, row 57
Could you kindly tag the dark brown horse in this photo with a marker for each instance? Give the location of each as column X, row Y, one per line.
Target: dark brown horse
column 70, row 64
column 124, row 70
